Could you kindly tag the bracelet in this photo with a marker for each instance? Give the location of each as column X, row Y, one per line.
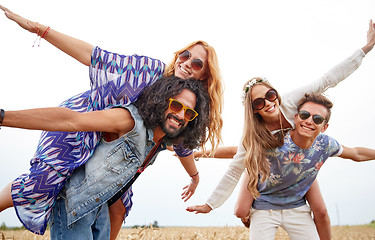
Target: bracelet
column 45, row 32
column 2, row 115
column 194, row 175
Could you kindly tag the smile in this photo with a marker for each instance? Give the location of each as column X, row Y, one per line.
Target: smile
column 307, row 128
column 183, row 70
column 271, row 108
column 175, row 122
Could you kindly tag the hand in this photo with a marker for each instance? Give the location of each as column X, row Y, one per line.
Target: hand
column 199, row 209
column 189, row 190
column 370, row 38
column 23, row 22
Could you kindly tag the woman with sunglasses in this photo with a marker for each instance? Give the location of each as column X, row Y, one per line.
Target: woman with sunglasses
column 126, row 76
column 266, row 116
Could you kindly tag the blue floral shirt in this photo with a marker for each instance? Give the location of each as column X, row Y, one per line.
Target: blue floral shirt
column 292, row 171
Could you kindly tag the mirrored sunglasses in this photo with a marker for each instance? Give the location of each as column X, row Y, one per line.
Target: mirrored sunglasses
column 260, row 103
column 196, row 63
column 317, row 119
column 176, row 107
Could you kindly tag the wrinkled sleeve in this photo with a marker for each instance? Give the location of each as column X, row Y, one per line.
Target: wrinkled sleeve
column 117, row 80
column 229, row 181
column 330, row 79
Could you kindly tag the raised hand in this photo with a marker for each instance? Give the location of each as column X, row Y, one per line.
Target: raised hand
column 23, row 22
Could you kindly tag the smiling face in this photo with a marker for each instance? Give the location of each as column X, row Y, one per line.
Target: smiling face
column 174, row 123
column 270, row 111
column 184, row 70
column 307, row 128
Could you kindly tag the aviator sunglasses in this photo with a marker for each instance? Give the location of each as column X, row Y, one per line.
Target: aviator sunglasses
column 318, row 119
column 259, row 103
column 176, row 107
column 196, row 63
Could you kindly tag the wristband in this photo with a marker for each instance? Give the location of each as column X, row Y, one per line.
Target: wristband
column 2, row 115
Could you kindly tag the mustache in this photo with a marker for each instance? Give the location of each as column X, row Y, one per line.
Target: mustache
column 176, row 118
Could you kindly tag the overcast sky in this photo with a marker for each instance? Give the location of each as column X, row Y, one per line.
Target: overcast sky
column 290, row 42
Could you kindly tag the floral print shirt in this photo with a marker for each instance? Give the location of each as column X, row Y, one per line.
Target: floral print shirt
column 292, row 171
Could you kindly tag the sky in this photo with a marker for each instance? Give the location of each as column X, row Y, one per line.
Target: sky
column 290, row 42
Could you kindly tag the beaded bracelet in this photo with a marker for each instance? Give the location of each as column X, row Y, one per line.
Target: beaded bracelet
column 2, row 115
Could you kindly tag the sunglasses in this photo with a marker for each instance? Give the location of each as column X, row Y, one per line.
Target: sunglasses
column 176, row 107
column 196, row 63
column 259, row 103
column 317, row 119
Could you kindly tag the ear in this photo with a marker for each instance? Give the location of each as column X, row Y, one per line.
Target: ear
column 324, row 128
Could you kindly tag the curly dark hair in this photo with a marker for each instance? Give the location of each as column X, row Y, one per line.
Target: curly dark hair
column 153, row 102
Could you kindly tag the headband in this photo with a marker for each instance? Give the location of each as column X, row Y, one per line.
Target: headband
column 250, row 84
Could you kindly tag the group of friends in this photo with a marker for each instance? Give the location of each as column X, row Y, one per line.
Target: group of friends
column 95, row 144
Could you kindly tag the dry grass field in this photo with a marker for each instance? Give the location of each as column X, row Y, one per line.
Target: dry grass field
column 200, row 233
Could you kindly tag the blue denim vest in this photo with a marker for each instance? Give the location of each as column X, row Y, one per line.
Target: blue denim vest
column 111, row 166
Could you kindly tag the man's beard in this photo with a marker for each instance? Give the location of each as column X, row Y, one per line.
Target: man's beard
column 174, row 132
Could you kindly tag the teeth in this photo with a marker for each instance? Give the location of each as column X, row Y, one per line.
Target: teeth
column 307, row 128
column 175, row 122
column 183, row 70
column 271, row 108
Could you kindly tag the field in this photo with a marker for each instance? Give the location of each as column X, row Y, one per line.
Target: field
column 199, row 233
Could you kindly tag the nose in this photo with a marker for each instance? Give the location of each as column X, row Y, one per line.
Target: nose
column 309, row 120
column 181, row 114
column 187, row 63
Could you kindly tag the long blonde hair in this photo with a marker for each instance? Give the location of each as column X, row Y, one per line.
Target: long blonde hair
column 257, row 139
column 215, row 90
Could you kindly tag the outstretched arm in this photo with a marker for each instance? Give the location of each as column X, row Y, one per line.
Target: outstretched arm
column 76, row 48
column 358, row 154
column 221, row 152
column 116, row 120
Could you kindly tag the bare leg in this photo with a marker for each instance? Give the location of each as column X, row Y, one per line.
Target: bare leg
column 6, row 197
column 319, row 209
column 116, row 215
column 244, row 201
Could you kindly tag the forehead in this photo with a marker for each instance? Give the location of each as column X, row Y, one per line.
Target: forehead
column 187, row 98
column 198, row 51
column 259, row 91
column 315, row 108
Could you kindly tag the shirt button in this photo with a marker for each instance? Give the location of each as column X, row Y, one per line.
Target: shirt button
column 97, row 200
column 74, row 214
column 119, row 184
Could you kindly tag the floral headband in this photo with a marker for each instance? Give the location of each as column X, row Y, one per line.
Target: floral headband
column 250, row 84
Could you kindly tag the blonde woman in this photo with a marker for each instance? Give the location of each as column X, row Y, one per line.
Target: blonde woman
column 127, row 76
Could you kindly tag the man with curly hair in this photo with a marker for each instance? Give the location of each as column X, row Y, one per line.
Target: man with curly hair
column 171, row 111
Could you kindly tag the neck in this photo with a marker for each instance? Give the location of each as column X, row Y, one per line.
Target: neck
column 301, row 141
column 279, row 123
column 158, row 134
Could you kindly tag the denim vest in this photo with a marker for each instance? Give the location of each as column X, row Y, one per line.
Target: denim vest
column 111, row 166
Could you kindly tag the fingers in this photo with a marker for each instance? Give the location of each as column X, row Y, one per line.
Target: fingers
column 4, row 8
